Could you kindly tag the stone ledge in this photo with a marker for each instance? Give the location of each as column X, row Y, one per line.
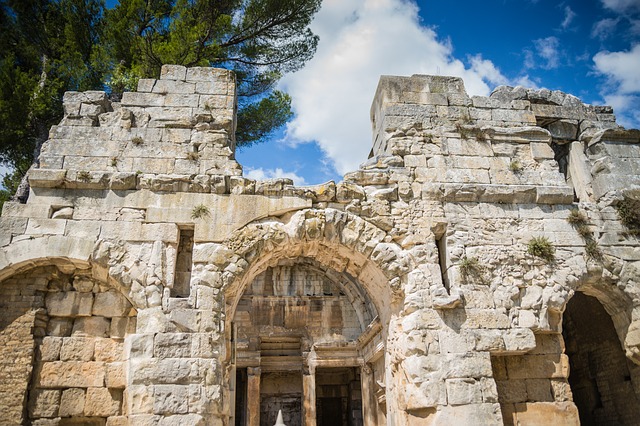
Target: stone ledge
column 491, row 193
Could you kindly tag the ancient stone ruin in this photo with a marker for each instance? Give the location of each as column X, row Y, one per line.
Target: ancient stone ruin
column 481, row 268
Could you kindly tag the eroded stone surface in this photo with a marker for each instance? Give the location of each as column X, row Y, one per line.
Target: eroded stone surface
column 145, row 275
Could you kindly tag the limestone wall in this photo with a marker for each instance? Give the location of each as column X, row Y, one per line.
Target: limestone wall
column 451, row 252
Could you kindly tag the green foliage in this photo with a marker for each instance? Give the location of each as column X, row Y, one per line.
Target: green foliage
column 257, row 121
column 629, row 213
column 258, row 39
column 515, row 166
column 122, row 80
column 200, row 211
column 541, row 247
column 46, row 48
column 576, row 218
column 469, row 265
column 84, row 176
column 137, row 140
column 592, row 250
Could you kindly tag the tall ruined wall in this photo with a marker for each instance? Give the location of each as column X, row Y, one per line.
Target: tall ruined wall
column 410, row 293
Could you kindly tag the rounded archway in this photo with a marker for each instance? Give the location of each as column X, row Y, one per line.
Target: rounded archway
column 62, row 343
column 314, row 294
column 603, row 381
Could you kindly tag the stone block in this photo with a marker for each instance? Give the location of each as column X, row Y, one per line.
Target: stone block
column 463, row 391
column 149, row 371
column 139, row 345
column 541, row 151
column 77, row 349
column 46, row 227
column 44, row 403
column 72, row 402
column 172, row 345
column 142, row 99
column 111, row 304
column 108, row 350
column 145, row 85
column 173, row 72
column 69, row 304
column 91, row 326
column 212, row 87
column 61, row 327
column 50, row 348
column 542, row 413
column 116, row 377
column 118, row 421
column 170, row 399
column 538, row 366
column 209, row 74
column 539, row 390
column 103, row 402
column 173, row 86
column 59, row 374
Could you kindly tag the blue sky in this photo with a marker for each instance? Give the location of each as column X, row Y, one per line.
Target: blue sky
column 590, row 48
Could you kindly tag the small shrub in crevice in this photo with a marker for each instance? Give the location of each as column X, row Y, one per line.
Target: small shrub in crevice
column 137, row 140
column 592, row 250
column 472, row 270
column 193, row 156
column 200, row 212
column 577, row 218
column 541, row 247
column 579, row 221
column 629, row 213
column 515, row 166
column 84, row 176
column 469, row 265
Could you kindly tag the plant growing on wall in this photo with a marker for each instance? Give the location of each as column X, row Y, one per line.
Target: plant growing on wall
column 84, row 176
column 629, row 213
column 541, row 247
column 579, row 221
column 200, row 211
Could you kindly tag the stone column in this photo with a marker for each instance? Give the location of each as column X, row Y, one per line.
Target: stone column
column 369, row 411
column 309, row 395
column 253, row 396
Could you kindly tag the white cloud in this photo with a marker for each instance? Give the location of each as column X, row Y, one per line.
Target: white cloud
column 548, row 50
column 359, row 41
column 569, row 15
column 621, row 68
column 622, row 89
column 621, row 6
column 604, row 28
column 262, row 174
column 487, row 70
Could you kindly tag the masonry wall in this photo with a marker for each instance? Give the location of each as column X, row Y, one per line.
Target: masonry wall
column 452, row 317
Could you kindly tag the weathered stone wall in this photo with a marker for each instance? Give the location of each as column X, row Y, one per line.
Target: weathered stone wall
column 452, row 253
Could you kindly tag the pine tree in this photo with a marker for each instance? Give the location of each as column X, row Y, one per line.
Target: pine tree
column 46, row 48
column 258, row 39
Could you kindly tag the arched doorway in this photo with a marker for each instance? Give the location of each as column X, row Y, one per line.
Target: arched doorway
column 604, row 383
column 298, row 331
column 62, row 344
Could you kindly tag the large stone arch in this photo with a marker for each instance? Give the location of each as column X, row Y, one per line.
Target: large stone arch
column 336, row 242
column 63, row 327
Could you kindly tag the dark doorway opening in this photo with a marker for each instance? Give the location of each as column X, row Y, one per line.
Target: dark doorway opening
column 338, row 397
column 601, row 377
column 241, row 397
